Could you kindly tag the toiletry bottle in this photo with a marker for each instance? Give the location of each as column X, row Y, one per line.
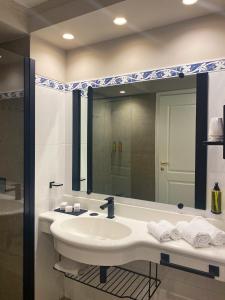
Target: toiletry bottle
column 216, row 205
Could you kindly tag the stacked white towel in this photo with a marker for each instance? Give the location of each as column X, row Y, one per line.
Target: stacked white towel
column 163, row 231
column 217, row 236
column 197, row 237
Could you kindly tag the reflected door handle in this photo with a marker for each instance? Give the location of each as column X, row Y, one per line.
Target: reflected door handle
column 164, row 163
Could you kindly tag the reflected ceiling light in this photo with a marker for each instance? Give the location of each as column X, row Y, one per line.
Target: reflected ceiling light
column 0, row 56
column 68, row 36
column 122, row 92
column 120, row 21
column 189, row 2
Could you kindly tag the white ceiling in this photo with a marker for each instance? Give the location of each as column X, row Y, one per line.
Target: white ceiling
column 141, row 15
column 30, row 3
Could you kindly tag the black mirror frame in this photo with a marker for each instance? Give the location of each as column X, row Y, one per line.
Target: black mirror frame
column 76, row 140
column 201, row 136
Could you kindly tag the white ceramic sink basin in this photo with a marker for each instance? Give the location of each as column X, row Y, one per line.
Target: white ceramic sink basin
column 86, row 238
column 101, row 229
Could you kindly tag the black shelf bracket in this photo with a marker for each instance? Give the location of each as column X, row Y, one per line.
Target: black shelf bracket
column 213, row 272
column 219, row 143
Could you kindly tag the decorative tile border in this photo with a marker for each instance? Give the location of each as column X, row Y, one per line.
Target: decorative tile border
column 188, row 69
column 11, row 95
column 50, row 83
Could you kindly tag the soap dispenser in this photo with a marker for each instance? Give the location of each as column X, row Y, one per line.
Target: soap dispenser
column 216, row 204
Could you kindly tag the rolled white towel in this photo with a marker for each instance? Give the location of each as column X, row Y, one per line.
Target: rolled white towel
column 217, row 235
column 160, row 232
column 181, row 226
column 174, row 232
column 193, row 235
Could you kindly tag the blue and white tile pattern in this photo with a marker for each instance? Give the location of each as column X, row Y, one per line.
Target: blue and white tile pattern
column 188, row 69
column 50, row 83
column 11, row 95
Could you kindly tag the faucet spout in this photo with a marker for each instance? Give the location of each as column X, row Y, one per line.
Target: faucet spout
column 110, row 205
column 103, row 206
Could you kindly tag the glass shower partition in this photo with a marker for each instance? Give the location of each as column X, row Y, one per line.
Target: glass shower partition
column 12, row 175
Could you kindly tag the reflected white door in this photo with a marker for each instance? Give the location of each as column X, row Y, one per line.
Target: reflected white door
column 175, row 145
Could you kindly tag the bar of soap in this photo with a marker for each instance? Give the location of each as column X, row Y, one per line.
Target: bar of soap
column 68, row 208
column 63, row 205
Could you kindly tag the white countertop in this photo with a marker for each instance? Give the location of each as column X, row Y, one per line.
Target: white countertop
column 139, row 238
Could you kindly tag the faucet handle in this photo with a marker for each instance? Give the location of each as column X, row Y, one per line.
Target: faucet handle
column 109, row 199
column 53, row 184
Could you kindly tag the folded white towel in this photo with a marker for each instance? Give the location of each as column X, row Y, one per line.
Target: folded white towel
column 198, row 238
column 217, row 235
column 159, row 231
column 174, row 232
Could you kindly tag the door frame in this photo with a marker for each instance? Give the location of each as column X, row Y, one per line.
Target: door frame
column 201, row 136
column 157, row 128
column 29, row 181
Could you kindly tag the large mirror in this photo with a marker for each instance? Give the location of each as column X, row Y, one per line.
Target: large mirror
column 145, row 140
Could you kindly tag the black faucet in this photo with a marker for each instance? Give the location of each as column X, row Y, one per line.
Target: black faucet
column 110, row 205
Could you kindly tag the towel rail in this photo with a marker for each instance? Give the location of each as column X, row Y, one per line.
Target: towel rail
column 213, row 270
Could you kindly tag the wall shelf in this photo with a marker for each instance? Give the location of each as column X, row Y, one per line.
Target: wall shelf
column 219, row 143
column 120, row 282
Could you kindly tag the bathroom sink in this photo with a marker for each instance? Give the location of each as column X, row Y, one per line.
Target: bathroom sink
column 92, row 240
column 101, row 229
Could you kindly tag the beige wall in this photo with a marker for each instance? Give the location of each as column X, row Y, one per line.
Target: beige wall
column 11, row 77
column 191, row 41
column 50, row 60
column 187, row 42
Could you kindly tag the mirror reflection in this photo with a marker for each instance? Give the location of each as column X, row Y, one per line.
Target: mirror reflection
column 144, row 140
column 11, row 175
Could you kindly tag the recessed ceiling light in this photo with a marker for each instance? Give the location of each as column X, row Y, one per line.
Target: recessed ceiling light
column 189, row 2
column 68, row 36
column 120, row 21
column 122, row 92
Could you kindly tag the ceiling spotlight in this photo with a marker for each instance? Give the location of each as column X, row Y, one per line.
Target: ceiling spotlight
column 189, row 2
column 68, row 36
column 120, row 21
column 122, row 92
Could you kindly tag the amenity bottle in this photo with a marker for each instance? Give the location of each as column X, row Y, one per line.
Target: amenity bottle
column 216, row 204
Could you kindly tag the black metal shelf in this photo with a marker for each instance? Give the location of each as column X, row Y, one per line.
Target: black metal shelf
column 120, row 282
column 219, row 143
column 216, row 143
